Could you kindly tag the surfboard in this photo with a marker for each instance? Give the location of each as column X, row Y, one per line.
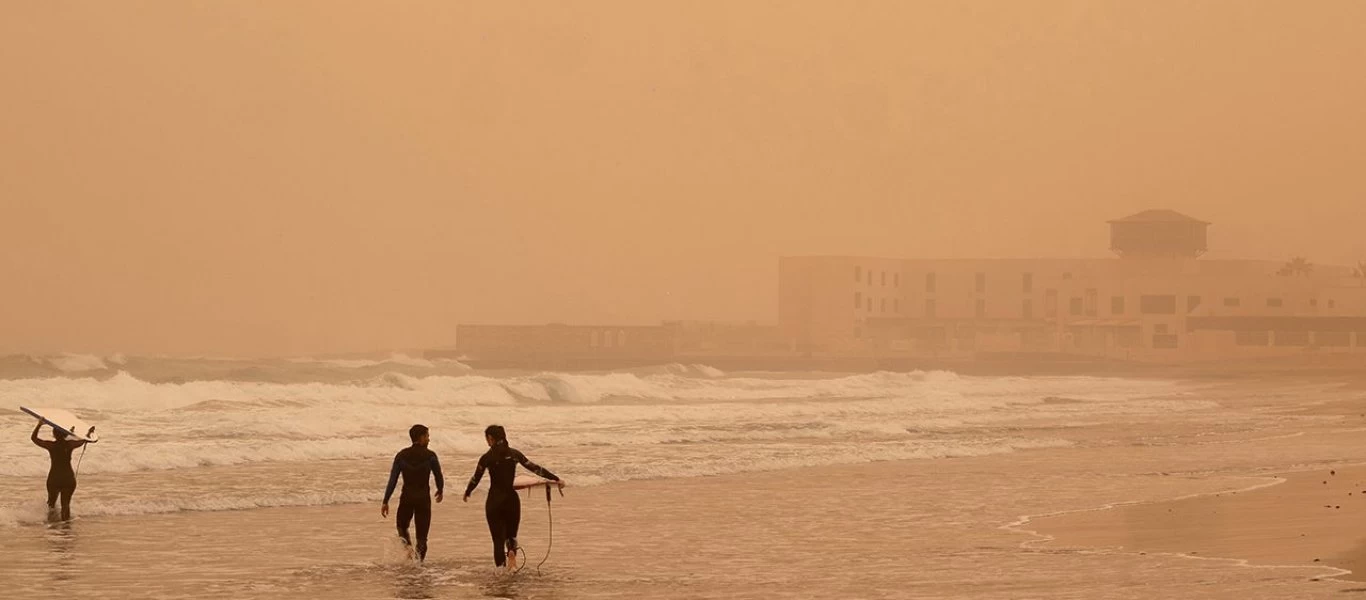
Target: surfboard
column 522, row 482
column 74, row 427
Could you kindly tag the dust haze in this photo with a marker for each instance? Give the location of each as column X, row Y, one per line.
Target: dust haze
column 255, row 179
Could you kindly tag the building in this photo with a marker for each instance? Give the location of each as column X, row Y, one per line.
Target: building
column 561, row 346
column 1156, row 301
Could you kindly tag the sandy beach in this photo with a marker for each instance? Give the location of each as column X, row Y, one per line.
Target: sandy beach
column 1311, row 518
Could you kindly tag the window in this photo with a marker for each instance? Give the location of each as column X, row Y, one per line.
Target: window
column 1313, row 302
column 1027, row 309
column 1117, row 305
column 1164, row 340
column 884, row 279
column 929, row 282
column 1231, row 302
column 981, row 307
column 1273, row 302
column 1076, row 306
column 858, row 300
column 1050, row 303
column 929, row 308
column 1192, row 303
column 981, row 284
column 1333, row 339
column 1251, row 338
column 621, row 338
column 1092, row 299
column 1157, row 305
column 858, row 274
column 1028, row 282
column 1290, row 338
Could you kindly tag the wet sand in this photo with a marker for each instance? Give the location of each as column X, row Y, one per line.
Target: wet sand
column 1314, row 518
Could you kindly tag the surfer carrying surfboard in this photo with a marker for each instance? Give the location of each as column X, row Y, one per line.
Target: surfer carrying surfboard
column 61, row 479
column 503, row 509
column 417, row 464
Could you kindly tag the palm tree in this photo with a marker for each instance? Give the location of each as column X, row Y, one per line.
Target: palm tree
column 1298, row 265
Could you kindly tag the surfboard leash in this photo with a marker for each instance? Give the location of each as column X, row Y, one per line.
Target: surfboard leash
column 79, row 459
column 550, row 533
column 82, row 456
column 550, row 525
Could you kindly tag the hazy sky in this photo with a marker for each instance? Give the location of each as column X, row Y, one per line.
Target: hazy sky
column 300, row 177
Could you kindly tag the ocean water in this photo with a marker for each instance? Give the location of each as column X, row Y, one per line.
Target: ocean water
column 237, row 478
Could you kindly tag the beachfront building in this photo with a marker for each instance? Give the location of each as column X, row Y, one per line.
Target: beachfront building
column 1156, row 300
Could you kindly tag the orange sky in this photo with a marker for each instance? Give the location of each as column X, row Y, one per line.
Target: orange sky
column 303, row 177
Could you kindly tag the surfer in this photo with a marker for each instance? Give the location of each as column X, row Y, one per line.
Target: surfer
column 503, row 509
column 416, row 463
column 61, row 479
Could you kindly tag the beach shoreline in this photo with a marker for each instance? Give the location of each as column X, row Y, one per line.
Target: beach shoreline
column 1305, row 518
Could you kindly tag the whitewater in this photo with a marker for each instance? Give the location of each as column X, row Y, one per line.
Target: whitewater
column 671, row 421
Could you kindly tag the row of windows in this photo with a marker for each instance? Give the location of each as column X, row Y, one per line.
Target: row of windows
column 1158, row 304
column 607, row 339
column 931, row 280
column 1077, row 305
column 867, row 303
column 1327, row 339
column 1088, row 306
column 861, row 277
column 931, row 306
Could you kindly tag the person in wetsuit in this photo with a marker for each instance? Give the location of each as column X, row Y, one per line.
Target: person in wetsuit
column 61, row 479
column 503, row 509
column 416, row 463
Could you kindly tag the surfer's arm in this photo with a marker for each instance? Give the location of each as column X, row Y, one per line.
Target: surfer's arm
column 34, row 437
column 393, row 481
column 535, row 468
column 474, row 481
column 436, row 474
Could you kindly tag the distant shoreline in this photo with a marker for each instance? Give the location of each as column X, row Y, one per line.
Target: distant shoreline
column 1349, row 366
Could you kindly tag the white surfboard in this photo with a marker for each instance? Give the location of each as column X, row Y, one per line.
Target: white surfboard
column 74, row 427
column 522, row 482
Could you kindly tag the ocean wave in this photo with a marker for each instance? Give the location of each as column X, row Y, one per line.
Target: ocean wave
column 396, row 358
column 123, row 391
column 149, row 426
column 76, row 363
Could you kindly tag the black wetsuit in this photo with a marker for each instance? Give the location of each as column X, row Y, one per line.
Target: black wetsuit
column 503, row 509
column 416, row 464
column 61, row 479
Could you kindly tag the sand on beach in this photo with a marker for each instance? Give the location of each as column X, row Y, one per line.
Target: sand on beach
column 1312, row 518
